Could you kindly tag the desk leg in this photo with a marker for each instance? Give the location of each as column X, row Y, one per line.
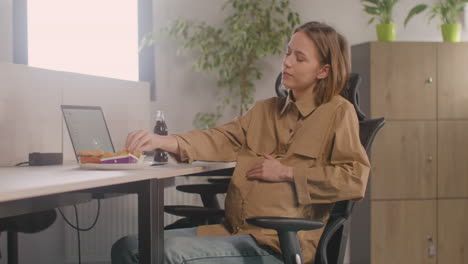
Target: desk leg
column 151, row 221
column 12, row 242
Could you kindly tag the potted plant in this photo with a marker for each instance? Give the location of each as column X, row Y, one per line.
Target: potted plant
column 382, row 10
column 253, row 30
column 448, row 12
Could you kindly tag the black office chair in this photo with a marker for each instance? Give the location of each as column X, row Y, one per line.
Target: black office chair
column 27, row 223
column 210, row 213
column 333, row 240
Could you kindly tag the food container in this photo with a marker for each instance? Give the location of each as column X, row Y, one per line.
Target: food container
column 129, row 158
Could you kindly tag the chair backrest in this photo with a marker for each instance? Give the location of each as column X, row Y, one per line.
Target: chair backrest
column 279, row 89
column 332, row 244
column 351, row 91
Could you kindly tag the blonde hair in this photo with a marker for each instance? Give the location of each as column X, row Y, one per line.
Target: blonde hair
column 333, row 50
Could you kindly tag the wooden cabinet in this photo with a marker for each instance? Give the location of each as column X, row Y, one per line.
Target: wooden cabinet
column 452, row 84
column 394, row 220
column 419, row 179
column 405, row 76
column 453, row 231
column 403, row 161
column 453, row 159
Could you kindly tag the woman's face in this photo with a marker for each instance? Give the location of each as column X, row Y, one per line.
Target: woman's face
column 301, row 64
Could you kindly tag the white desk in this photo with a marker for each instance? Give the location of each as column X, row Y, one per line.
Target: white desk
column 29, row 189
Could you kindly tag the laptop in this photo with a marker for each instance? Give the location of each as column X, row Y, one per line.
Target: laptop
column 87, row 128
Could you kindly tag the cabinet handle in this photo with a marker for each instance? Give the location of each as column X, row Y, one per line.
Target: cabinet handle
column 431, row 247
column 429, row 158
column 429, row 80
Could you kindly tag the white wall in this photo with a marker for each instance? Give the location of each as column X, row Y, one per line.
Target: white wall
column 6, row 30
column 182, row 93
column 30, row 117
column 347, row 17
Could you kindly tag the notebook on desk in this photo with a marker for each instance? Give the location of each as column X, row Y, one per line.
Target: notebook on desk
column 87, row 128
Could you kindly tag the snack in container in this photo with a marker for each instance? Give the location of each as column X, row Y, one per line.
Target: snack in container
column 101, row 157
column 86, row 159
column 90, row 156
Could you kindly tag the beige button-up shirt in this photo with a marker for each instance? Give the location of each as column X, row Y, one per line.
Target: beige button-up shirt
column 321, row 144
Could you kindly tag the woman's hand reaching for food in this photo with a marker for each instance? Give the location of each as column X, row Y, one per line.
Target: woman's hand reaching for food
column 141, row 140
column 270, row 170
column 144, row 140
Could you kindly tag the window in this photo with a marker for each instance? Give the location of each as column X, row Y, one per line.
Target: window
column 96, row 37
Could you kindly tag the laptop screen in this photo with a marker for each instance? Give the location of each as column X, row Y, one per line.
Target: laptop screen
column 87, row 128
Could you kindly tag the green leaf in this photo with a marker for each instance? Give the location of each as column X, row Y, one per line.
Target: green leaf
column 375, row 2
column 372, row 10
column 414, row 11
column 284, row 4
column 381, row 10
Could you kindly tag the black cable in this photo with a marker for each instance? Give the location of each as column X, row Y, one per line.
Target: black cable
column 78, row 234
column 77, row 227
column 83, row 229
column 22, row 163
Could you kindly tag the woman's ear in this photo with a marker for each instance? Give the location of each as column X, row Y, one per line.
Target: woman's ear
column 323, row 72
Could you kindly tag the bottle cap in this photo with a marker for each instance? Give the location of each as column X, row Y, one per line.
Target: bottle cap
column 159, row 115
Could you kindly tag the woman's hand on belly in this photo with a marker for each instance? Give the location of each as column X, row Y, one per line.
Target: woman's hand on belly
column 270, row 170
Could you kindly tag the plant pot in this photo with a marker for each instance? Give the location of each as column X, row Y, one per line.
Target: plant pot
column 386, row 32
column 451, row 32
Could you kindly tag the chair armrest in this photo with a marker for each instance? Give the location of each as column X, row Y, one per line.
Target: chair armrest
column 194, row 215
column 204, row 188
column 219, row 180
column 29, row 223
column 193, row 211
column 220, row 172
column 207, row 192
column 287, row 233
column 285, row 223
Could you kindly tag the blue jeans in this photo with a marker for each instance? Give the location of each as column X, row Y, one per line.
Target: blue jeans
column 183, row 246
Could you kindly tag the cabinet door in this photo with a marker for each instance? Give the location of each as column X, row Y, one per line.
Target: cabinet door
column 452, row 81
column 403, row 161
column 453, row 159
column 453, row 231
column 403, row 231
column 403, row 84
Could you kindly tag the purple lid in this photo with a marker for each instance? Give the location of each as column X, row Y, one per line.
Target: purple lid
column 120, row 159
